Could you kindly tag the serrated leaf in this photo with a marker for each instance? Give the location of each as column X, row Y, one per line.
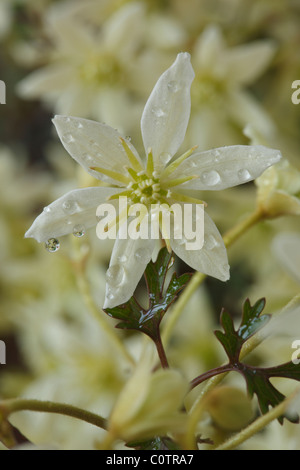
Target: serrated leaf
column 258, row 383
column 252, row 321
column 257, row 379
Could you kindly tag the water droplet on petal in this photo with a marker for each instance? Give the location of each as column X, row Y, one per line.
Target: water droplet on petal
column 244, row 175
column 122, row 258
column 110, row 296
column 211, row 242
column 192, row 164
column 173, row 86
column 164, row 158
column 225, row 270
column 182, row 241
column 88, row 159
column 68, row 138
column 115, row 275
column 70, row 207
column 78, row 124
column 79, row 231
column 158, row 112
column 211, row 178
column 142, row 254
column 217, row 155
column 52, row 245
column 47, row 210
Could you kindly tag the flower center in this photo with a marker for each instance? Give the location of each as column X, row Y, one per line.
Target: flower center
column 100, row 69
column 145, row 190
column 208, row 90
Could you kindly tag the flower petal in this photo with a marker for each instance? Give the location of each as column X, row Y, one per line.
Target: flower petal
column 167, row 111
column 226, row 167
column 47, row 80
column 286, row 248
column 76, row 208
column 247, row 62
column 127, row 265
column 211, row 259
column 244, row 110
column 93, row 144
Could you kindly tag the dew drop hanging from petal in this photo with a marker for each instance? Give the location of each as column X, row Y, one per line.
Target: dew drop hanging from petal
column 52, row 245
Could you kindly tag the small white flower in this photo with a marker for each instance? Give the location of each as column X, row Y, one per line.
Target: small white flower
column 89, row 71
column 106, row 155
column 222, row 104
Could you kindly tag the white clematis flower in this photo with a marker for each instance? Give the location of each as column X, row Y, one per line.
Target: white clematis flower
column 106, row 155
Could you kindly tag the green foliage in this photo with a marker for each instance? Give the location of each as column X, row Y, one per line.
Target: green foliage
column 257, row 379
column 147, row 320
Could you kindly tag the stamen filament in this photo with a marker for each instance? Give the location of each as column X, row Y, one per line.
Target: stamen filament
column 133, row 174
column 174, row 165
column 112, row 174
column 116, row 196
column 183, row 198
column 150, row 164
column 178, row 181
column 136, row 165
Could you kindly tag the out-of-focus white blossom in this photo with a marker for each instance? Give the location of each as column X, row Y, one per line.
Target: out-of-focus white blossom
column 222, row 105
column 149, row 405
column 90, row 71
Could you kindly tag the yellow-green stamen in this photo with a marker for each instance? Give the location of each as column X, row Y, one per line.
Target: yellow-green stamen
column 112, row 174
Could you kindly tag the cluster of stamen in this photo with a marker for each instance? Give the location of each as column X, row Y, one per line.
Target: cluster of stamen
column 145, row 190
column 147, row 186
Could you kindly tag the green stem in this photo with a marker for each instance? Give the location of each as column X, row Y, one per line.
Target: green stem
column 236, row 232
column 7, row 407
column 257, row 425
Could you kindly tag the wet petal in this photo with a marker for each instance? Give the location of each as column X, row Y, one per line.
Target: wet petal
column 127, row 265
column 211, row 259
column 167, row 111
column 226, row 167
column 74, row 209
column 93, row 144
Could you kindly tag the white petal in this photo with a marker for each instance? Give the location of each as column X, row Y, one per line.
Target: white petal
column 247, row 62
column 286, row 248
column 127, row 265
column 123, row 30
column 167, row 111
column 93, row 144
column 76, row 208
column 226, row 167
column 209, row 48
column 51, row 78
column 211, row 259
column 245, row 110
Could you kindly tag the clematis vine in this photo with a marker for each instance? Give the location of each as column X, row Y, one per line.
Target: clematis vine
column 157, row 179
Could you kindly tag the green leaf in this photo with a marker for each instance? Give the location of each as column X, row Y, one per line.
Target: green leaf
column 252, row 321
column 258, row 383
column 133, row 316
column 257, row 379
column 158, row 443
